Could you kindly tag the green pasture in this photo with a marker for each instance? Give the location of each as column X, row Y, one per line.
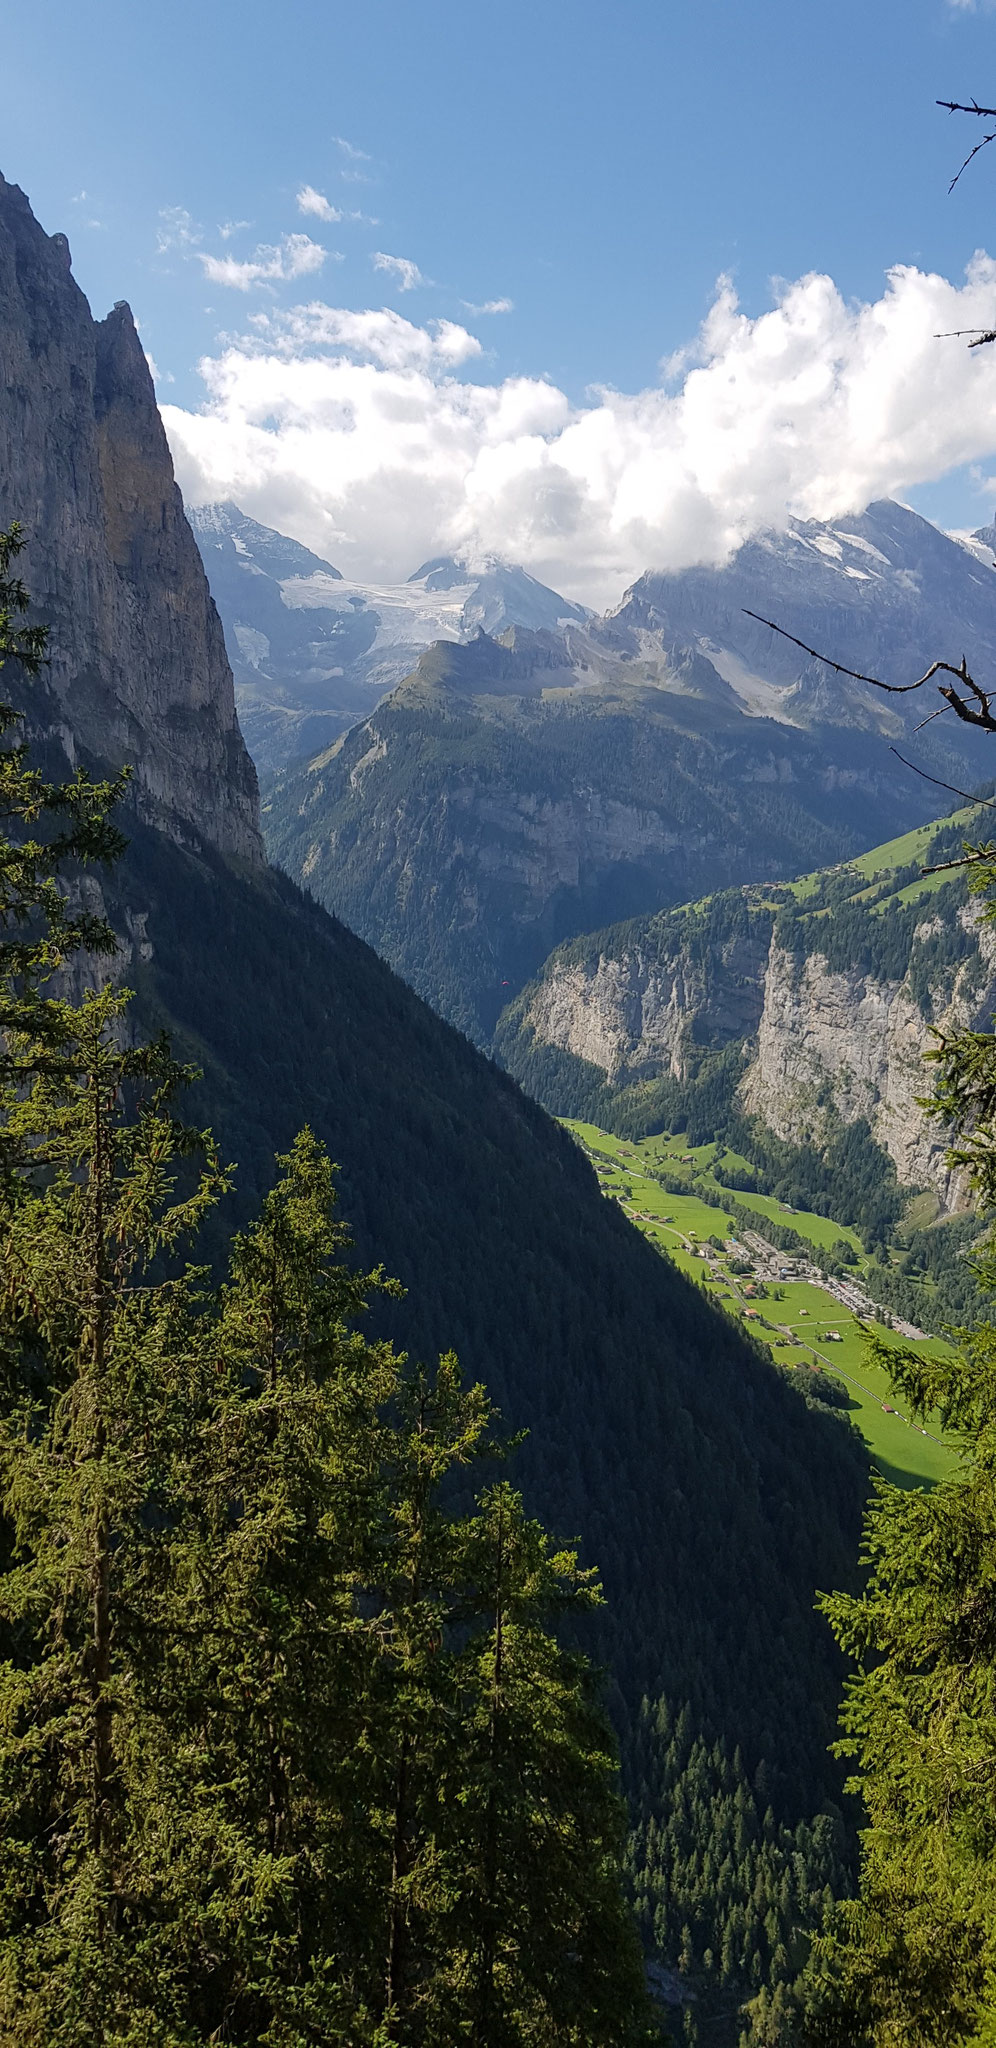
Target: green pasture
column 898, row 1447
column 819, row 1230
column 894, row 853
column 670, row 1152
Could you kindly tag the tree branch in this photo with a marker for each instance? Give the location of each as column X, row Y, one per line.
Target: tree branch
column 984, row 716
column 985, row 802
column 972, row 107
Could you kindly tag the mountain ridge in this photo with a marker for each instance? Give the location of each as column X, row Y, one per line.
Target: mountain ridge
column 658, row 1435
column 823, row 994
column 312, row 651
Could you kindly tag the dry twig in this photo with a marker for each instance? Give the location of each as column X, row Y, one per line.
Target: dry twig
column 983, row 716
column 985, row 114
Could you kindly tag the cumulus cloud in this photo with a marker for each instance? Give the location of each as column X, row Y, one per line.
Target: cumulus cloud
column 384, row 336
column 295, row 256
column 310, row 201
column 353, row 432
column 489, row 306
column 406, row 274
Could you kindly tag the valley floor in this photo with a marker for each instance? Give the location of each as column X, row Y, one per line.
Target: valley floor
column 806, row 1318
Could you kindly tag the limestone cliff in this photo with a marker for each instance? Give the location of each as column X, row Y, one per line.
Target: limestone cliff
column 845, row 1044
column 830, row 997
column 138, row 671
column 634, row 1015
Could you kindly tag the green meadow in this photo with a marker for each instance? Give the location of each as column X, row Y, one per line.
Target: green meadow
column 800, row 1323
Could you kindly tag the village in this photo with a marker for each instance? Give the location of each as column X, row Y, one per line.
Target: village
column 813, row 1322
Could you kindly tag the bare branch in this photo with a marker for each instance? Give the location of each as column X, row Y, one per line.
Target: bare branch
column 991, row 137
column 986, row 803
column 982, row 335
column 984, row 716
column 973, row 107
column 931, row 715
column 982, row 854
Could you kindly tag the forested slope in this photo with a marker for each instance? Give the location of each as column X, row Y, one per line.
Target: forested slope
column 715, row 1501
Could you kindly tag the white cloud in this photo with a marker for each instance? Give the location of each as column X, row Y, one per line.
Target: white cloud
column 384, row 336
column 228, row 228
column 176, row 231
column 489, row 306
column 296, row 256
column 349, row 149
column 352, row 432
column 310, row 201
column 406, row 273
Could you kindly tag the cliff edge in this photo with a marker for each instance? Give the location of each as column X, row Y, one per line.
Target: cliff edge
column 138, row 669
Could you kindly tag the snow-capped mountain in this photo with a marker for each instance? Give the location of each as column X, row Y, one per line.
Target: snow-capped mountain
column 883, row 592
column 312, row 652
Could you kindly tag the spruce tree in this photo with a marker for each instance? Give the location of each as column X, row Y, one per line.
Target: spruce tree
column 440, row 1428
column 48, row 830
column 272, row 1692
column 290, row 1753
column 912, row 1960
column 540, row 1946
column 88, row 1436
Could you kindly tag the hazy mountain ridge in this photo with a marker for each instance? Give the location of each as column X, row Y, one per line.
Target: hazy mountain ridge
column 474, row 820
column 491, row 807
column 883, row 592
column 312, row 651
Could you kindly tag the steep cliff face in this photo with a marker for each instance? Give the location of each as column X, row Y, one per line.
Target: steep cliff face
column 138, row 670
column 830, row 992
column 639, row 1015
column 847, row 1045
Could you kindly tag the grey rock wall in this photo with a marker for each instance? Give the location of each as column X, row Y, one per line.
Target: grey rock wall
column 138, row 671
column 822, row 1046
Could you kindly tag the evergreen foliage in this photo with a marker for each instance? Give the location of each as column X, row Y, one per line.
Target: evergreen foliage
column 912, row 1959
column 290, row 1753
column 655, row 1430
column 729, row 1895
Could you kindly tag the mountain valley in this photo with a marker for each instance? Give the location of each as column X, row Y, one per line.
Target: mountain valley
column 715, row 1494
column 563, row 934
column 518, row 791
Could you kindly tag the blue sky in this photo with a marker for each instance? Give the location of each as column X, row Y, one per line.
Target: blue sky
column 597, row 166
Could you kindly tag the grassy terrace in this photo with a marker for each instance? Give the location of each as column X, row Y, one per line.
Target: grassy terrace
column 800, row 1322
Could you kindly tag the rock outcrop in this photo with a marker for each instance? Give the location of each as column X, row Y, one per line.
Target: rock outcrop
column 822, row 1045
column 635, row 1015
column 138, row 671
column 849, row 1046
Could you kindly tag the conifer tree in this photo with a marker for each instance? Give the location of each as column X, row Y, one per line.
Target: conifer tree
column 290, row 1754
column 273, row 1691
column 540, row 1946
column 87, row 1442
column 46, row 829
column 441, row 1427
column 912, row 1960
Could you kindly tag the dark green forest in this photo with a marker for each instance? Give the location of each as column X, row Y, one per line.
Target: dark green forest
column 714, row 1500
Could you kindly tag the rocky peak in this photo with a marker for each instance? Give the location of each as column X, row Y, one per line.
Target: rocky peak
column 138, row 671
